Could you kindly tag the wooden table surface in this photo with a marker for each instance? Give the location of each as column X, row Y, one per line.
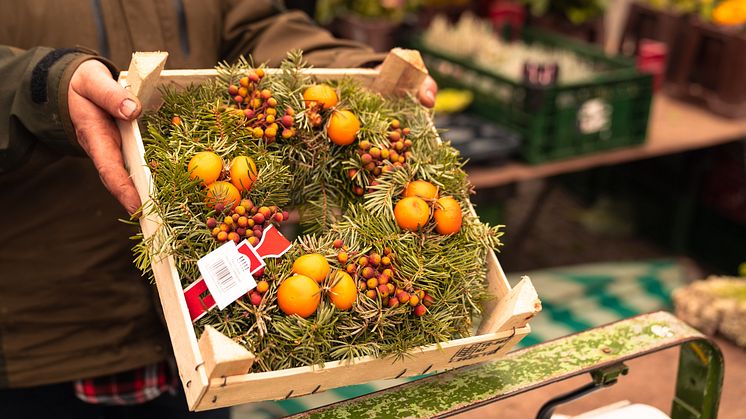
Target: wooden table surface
column 675, row 127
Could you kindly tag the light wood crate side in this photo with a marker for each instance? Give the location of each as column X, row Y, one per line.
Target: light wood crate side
column 180, row 79
column 145, row 75
column 300, row 381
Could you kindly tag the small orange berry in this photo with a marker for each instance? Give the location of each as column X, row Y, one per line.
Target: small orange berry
column 262, row 286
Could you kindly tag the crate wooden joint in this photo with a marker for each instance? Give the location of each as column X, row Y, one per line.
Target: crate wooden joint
column 213, row 369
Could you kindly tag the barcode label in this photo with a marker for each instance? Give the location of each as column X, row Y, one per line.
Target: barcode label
column 222, row 275
column 226, row 273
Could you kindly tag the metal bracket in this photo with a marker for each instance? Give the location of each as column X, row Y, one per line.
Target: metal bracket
column 603, row 377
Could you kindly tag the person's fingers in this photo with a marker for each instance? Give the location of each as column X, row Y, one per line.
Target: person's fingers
column 99, row 137
column 93, row 81
column 427, row 92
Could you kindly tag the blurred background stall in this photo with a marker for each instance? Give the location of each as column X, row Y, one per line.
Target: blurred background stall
column 607, row 135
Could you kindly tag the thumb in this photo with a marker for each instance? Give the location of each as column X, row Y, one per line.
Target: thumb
column 427, row 91
column 93, row 81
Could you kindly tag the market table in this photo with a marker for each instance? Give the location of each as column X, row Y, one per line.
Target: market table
column 675, row 127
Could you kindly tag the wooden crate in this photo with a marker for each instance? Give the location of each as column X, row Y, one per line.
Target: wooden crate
column 214, row 369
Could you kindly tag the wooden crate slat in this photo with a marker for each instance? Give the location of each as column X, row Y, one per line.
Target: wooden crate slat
column 306, row 380
column 170, row 291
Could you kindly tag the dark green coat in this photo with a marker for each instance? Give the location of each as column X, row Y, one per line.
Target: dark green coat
column 71, row 303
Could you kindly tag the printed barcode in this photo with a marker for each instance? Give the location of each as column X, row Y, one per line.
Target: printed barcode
column 222, row 275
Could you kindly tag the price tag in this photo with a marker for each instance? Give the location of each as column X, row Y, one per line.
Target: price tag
column 230, row 269
column 227, row 274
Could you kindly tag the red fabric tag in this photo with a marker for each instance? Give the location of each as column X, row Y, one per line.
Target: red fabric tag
column 255, row 261
column 273, row 244
column 198, row 306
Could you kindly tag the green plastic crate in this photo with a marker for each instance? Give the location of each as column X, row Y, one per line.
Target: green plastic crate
column 614, row 105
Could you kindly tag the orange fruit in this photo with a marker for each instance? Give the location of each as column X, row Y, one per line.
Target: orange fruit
column 411, row 213
column 343, row 127
column 299, row 295
column 422, row 189
column 322, row 94
column 447, row 216
column 312, row 265
column 344, row 291
column 730, row 12
column 243, row 173
column 222, row 192
column 205, row 165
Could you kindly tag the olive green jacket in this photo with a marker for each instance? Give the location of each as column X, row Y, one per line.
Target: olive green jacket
column 71, row 303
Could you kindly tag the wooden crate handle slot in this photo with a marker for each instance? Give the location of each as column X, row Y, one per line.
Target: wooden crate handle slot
column 223, row 357
column 402, row 72
column 514, row 310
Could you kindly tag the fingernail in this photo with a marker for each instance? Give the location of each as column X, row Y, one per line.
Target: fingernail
column 128, row 108
column 430, row 99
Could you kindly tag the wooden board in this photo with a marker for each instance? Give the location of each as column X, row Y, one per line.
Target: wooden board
column 505, row 318
column 306, row 380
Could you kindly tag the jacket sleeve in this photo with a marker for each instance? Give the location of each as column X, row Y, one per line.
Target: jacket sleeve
column 33, row 102
column 263, row 29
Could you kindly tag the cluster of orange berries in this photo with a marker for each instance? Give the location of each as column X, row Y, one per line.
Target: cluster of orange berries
column 375, row 278
column 260, row 108
column 375, row 161
column 244, row 221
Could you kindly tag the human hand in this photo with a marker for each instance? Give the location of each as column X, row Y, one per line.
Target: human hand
column 426, row 93
column 93, row 97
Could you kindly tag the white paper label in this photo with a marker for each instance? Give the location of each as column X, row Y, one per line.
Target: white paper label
column 227, row 274
column 594, row 116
